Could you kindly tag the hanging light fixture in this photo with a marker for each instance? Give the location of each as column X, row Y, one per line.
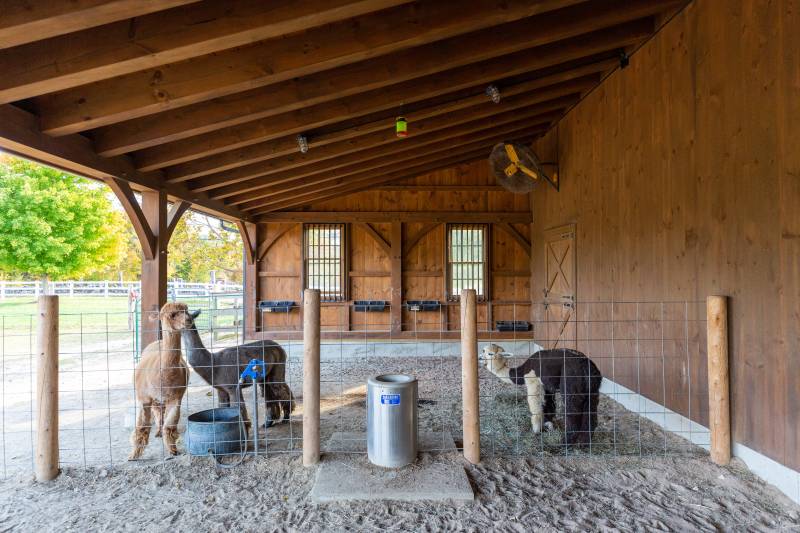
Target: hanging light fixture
column 494, row 93
column 401, row 127
column 302, row 143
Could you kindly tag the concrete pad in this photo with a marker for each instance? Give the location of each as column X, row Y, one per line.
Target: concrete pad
column 349, row 476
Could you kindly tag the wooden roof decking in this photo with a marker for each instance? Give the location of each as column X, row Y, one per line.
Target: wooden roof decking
column 205, row 99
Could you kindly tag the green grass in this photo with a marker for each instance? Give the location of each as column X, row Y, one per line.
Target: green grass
column 90, row 314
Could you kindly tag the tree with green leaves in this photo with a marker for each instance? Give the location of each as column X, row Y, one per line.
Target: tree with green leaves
column 54, row 225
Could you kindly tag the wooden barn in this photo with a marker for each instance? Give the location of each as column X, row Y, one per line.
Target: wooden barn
column 349, row 140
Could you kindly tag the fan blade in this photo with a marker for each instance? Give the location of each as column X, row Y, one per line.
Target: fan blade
column 529, row 172
column 512, row 154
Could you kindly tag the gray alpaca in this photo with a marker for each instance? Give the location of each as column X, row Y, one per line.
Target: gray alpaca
column 222, row 369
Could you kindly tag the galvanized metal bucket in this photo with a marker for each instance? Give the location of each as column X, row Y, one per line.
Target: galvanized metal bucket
column 215, row 432
column 392, row 420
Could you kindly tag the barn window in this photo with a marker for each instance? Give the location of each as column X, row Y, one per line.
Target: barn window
column 323, row 256
column 466, row 258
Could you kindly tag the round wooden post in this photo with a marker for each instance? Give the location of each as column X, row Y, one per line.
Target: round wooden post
column 47, row 390
column 469, row 376
column 310, row 377
column 719, row 410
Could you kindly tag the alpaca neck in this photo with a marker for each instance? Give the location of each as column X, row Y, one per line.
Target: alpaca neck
column 498, row 367
column 196, row 352
column 170, row 348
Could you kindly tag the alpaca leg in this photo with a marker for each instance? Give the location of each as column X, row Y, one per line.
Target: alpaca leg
column 243, row 411
column 535, row 391
column 271, row 406
column 549, row 411
column 223, row 398
column 577, row 417
column 171, row 418
column 158, row 418
column 141, row 434
column 284, row 401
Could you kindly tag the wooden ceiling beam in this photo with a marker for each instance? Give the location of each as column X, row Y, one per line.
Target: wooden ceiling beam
column 306, row 119
column 267, row 151
column 358, row 161
column 370, row 75
column 385, row 168
column 519, row 217
column 369, row 168
column 22, row 22
column 383, row 142
column 20, row 135
column 275, row 60
column 309, row 198
column 147, row 42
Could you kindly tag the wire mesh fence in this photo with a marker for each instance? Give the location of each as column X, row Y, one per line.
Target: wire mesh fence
column 652, row 399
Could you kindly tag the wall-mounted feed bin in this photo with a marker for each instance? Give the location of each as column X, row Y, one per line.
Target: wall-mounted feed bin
column 370, row 306
column 276, row 306
column 423, row 305
column 513, row 325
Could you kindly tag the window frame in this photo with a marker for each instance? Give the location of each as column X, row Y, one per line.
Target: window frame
column 487, row 233
column 343, row 293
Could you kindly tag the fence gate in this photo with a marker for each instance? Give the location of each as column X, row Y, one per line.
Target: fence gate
column 559, row 291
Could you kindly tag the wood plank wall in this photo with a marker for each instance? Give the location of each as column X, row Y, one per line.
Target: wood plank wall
column 682, row 174
column 466, row 188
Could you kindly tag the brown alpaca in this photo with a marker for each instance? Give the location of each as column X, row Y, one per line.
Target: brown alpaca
column 160, row 381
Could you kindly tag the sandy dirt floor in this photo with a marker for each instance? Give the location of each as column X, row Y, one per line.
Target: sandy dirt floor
column 554, row 494
column 634, row 477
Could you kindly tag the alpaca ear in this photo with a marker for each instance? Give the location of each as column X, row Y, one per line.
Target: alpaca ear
column 194, row 314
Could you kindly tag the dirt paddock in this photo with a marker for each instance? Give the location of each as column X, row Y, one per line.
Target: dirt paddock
column 635, row 476
column 555, row 494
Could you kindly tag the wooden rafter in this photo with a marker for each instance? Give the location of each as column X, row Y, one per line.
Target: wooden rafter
column 327, row 115
column 441, row 217
column 397, row 151
column 361, row 83
column 469, row 118
column 287, row 145
column 25, row 22
column 401, row 157
column 368, row 181
column 275, row 60
column 19, row 134
column 385, row 245
column 166, row 37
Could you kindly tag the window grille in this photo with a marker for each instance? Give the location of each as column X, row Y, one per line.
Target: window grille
column 466, row 258
column 323, row 256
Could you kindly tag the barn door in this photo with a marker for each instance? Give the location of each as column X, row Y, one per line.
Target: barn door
column 559, row 292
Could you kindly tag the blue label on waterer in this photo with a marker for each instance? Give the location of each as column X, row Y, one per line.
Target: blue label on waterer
column 390, row 399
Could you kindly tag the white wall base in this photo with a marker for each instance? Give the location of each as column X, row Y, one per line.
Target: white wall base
column 783, row 478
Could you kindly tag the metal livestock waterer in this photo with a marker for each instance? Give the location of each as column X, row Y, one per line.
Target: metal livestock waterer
column 392, row 420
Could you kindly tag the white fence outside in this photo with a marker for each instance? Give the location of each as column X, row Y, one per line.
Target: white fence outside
column 175, row 289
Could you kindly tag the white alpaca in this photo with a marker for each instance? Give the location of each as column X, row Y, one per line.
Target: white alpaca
column 496, row 364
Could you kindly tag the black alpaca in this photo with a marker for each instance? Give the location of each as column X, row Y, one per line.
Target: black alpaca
column 222, row 369
column 564, row 371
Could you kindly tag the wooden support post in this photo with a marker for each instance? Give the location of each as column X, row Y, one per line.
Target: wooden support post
column 311, row 335
column 47, row 390
column 719, row 410
column 154, row 271
column 469, row 376
column 396, row 310
column 252, row 315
